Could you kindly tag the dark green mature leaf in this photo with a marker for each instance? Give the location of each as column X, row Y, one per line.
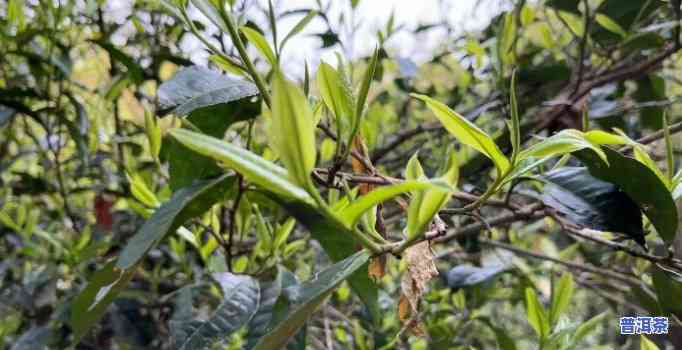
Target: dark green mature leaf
column 466, row 275
column 625, row 12
column 186, row 165
column 565, row 5
column 651, row 88
column 668, row 290
column 197, row 87
column 591, row 202
column 34, row 338
column 329, row 38
column 185, row 203
column 91, row 304
column 107, row 283
column 241, row 299
column 270, row 292
column 6, row 114
column 640, row 184
column 304, row 299
column 338, row 244
column 504, row 341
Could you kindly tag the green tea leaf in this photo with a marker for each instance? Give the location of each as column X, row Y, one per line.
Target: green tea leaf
column 426, row 204
column 414, row 170
column 466, row 132
column 599, row 137
column 515, row 127
column 254, row 168
column 303, row 300
column 338, row 243
column 241, row 300
column 299, row 27
column 141, row 192
column 91, row 304
column 563, row 142
column 351, row 214
column 293, row 130
column 646, row 344
column 197, row 87
column 153, row 132
column 610, row 25
column 639, row 183
column 588, row 327
column 259, row 41
column 667, row 290
column 185, row 203
column 336, row 95
column 561, row 297
column 536, row 314
column 586, row 200
column 366, row 82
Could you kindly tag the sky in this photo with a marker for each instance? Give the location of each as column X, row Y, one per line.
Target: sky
column 371, row 15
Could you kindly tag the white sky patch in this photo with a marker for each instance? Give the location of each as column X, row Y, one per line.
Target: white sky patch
column 370, row 17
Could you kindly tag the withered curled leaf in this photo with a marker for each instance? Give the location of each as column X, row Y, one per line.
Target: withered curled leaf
column 421, row 268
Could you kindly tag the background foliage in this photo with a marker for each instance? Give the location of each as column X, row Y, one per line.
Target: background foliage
column 520, row 189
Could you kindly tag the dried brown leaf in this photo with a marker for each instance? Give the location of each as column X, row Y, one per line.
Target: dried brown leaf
column 377, row 267
column 421, row 269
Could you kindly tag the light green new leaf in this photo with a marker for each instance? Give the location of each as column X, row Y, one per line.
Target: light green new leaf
column 254, row 168
column 185, row 203
column 600, row 137
column 466, row 132
column 563, row 142
column 351, row 214
column 298, row 27
column 366, row 82
column 507, row 38
column 643, row 157
column 293, row 130
column 561, row 297
column 536, row 314
column 259, row 41
column 335, row 93
column 283, row 232
column 646, row 344
column 515, row 126
column 610, row 25
column 640, row 153
column 15, row 14
column 141, row 192
column 153, row 132
column 426, row 204
column 414, row 170
column 588, row 327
